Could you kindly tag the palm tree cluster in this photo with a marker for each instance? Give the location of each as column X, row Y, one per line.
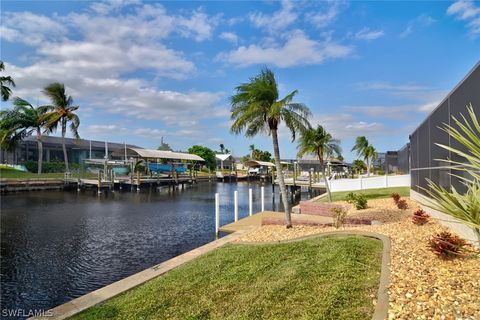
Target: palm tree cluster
column 24, row 119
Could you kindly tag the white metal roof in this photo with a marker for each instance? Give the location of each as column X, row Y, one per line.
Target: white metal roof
column 222, row 157
column 158, row 154
column 256, row 163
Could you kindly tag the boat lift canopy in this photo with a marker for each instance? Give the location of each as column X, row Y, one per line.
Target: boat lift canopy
column 156, row 154
column 256, row 163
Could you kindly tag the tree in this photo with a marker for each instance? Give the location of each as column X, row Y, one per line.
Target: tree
column 370, row 155
column 366, row 150
column 252, row 149
column 256, row 108
column 340, row 158
column 320, row 143
column 206, row 153
column 222, row 148
column 62, row 114
column 5, row 82
column 227, row 151
column 164, row 146
column 359, row 166
column 464, row 207
column 22, row 121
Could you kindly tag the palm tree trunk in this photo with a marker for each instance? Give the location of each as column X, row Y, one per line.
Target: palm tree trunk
column 322, row 168
column 40, row 150
column 368, row 167
column 65, row 156
column 281, row 181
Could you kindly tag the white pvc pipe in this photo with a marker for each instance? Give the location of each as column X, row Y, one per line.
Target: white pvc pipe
column 235, row 205
column 217, row 212
column 250, row 200
column 263, row 198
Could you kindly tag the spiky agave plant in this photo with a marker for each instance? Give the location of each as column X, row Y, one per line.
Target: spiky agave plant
column 463, row 207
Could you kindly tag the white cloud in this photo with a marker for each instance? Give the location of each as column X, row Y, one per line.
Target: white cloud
column 344, row 126
column 298, row 49
column 30, row 29
column 277, row 21
column 322, row 18
column 386, row 112
column 198, row 26
column 229, row 36
column 367, row 34
column 423, row 20
column 381, row 85
column 107, row 6
column 467, row 11
column 428, row 107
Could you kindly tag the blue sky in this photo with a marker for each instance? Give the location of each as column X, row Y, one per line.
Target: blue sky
column 140, row 71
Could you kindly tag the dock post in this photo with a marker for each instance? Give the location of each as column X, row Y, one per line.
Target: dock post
column 99, row 183
column 217, row 213
column 263, row 198
column 138, row 181
column 250, row 200
column 235, row 205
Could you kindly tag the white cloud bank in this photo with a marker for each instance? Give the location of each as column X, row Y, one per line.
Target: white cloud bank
column 469, row 12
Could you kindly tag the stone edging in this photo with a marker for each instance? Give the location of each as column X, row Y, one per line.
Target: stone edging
column 381, row 307
column 112, row 290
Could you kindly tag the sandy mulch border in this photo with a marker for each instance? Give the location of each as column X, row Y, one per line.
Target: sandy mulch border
column 422, row 285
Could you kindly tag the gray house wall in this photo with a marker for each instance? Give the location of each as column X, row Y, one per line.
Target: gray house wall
column 424, row 153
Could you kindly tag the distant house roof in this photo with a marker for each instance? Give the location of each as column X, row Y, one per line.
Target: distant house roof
column 79, row 143
column 158, row 154
column 256, row 163
column 223, row 157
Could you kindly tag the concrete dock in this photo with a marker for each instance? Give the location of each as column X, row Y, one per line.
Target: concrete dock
column 256, row 220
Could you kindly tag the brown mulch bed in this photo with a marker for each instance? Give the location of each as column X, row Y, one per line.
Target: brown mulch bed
column 422, row 285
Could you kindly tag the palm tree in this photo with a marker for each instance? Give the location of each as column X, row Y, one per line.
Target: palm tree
column 22, row 121
column 366, row 150
column 252, row 150
column 63, row 113
column 222, row 148
column 359, row 166
column 370, row 155
column 256, row 108
column 320, row 143
column 5, row 82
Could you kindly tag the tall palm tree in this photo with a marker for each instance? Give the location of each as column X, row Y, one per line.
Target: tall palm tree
column 222, row 148
column 22, row 121
column 320, row 143
column 365, row 150
column 370, row 155
column 5, row 82
column 256, row 108
column 63, row 113
column 252, row 150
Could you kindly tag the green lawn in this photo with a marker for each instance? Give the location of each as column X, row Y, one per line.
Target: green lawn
column 317, row 278
column 370, row 193
column 9, row 173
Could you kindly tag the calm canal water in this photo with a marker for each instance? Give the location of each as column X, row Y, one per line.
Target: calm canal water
column 59, row 245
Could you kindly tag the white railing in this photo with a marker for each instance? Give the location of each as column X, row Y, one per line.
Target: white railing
column 370, row 183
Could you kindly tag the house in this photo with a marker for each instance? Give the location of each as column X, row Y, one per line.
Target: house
column 225, row 162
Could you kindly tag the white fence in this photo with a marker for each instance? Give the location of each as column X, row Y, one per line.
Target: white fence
column 370, row 183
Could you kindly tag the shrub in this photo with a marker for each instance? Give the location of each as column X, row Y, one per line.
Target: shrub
column 402, row 204
column 420, row 217
column 49, row 166
column 448, row 246
column 339, row 217
column 395, row 197
column 358, row 200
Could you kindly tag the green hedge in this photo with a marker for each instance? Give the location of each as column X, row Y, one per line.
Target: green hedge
column 49, row 167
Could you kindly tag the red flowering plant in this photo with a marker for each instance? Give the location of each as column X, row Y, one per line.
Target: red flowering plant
column 402, row 204
column 448, row 246
column 395, row 197
column 420, row 217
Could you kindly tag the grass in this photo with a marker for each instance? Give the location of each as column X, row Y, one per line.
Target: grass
column 317, row 278
column 369, row 193
column 10, row 173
